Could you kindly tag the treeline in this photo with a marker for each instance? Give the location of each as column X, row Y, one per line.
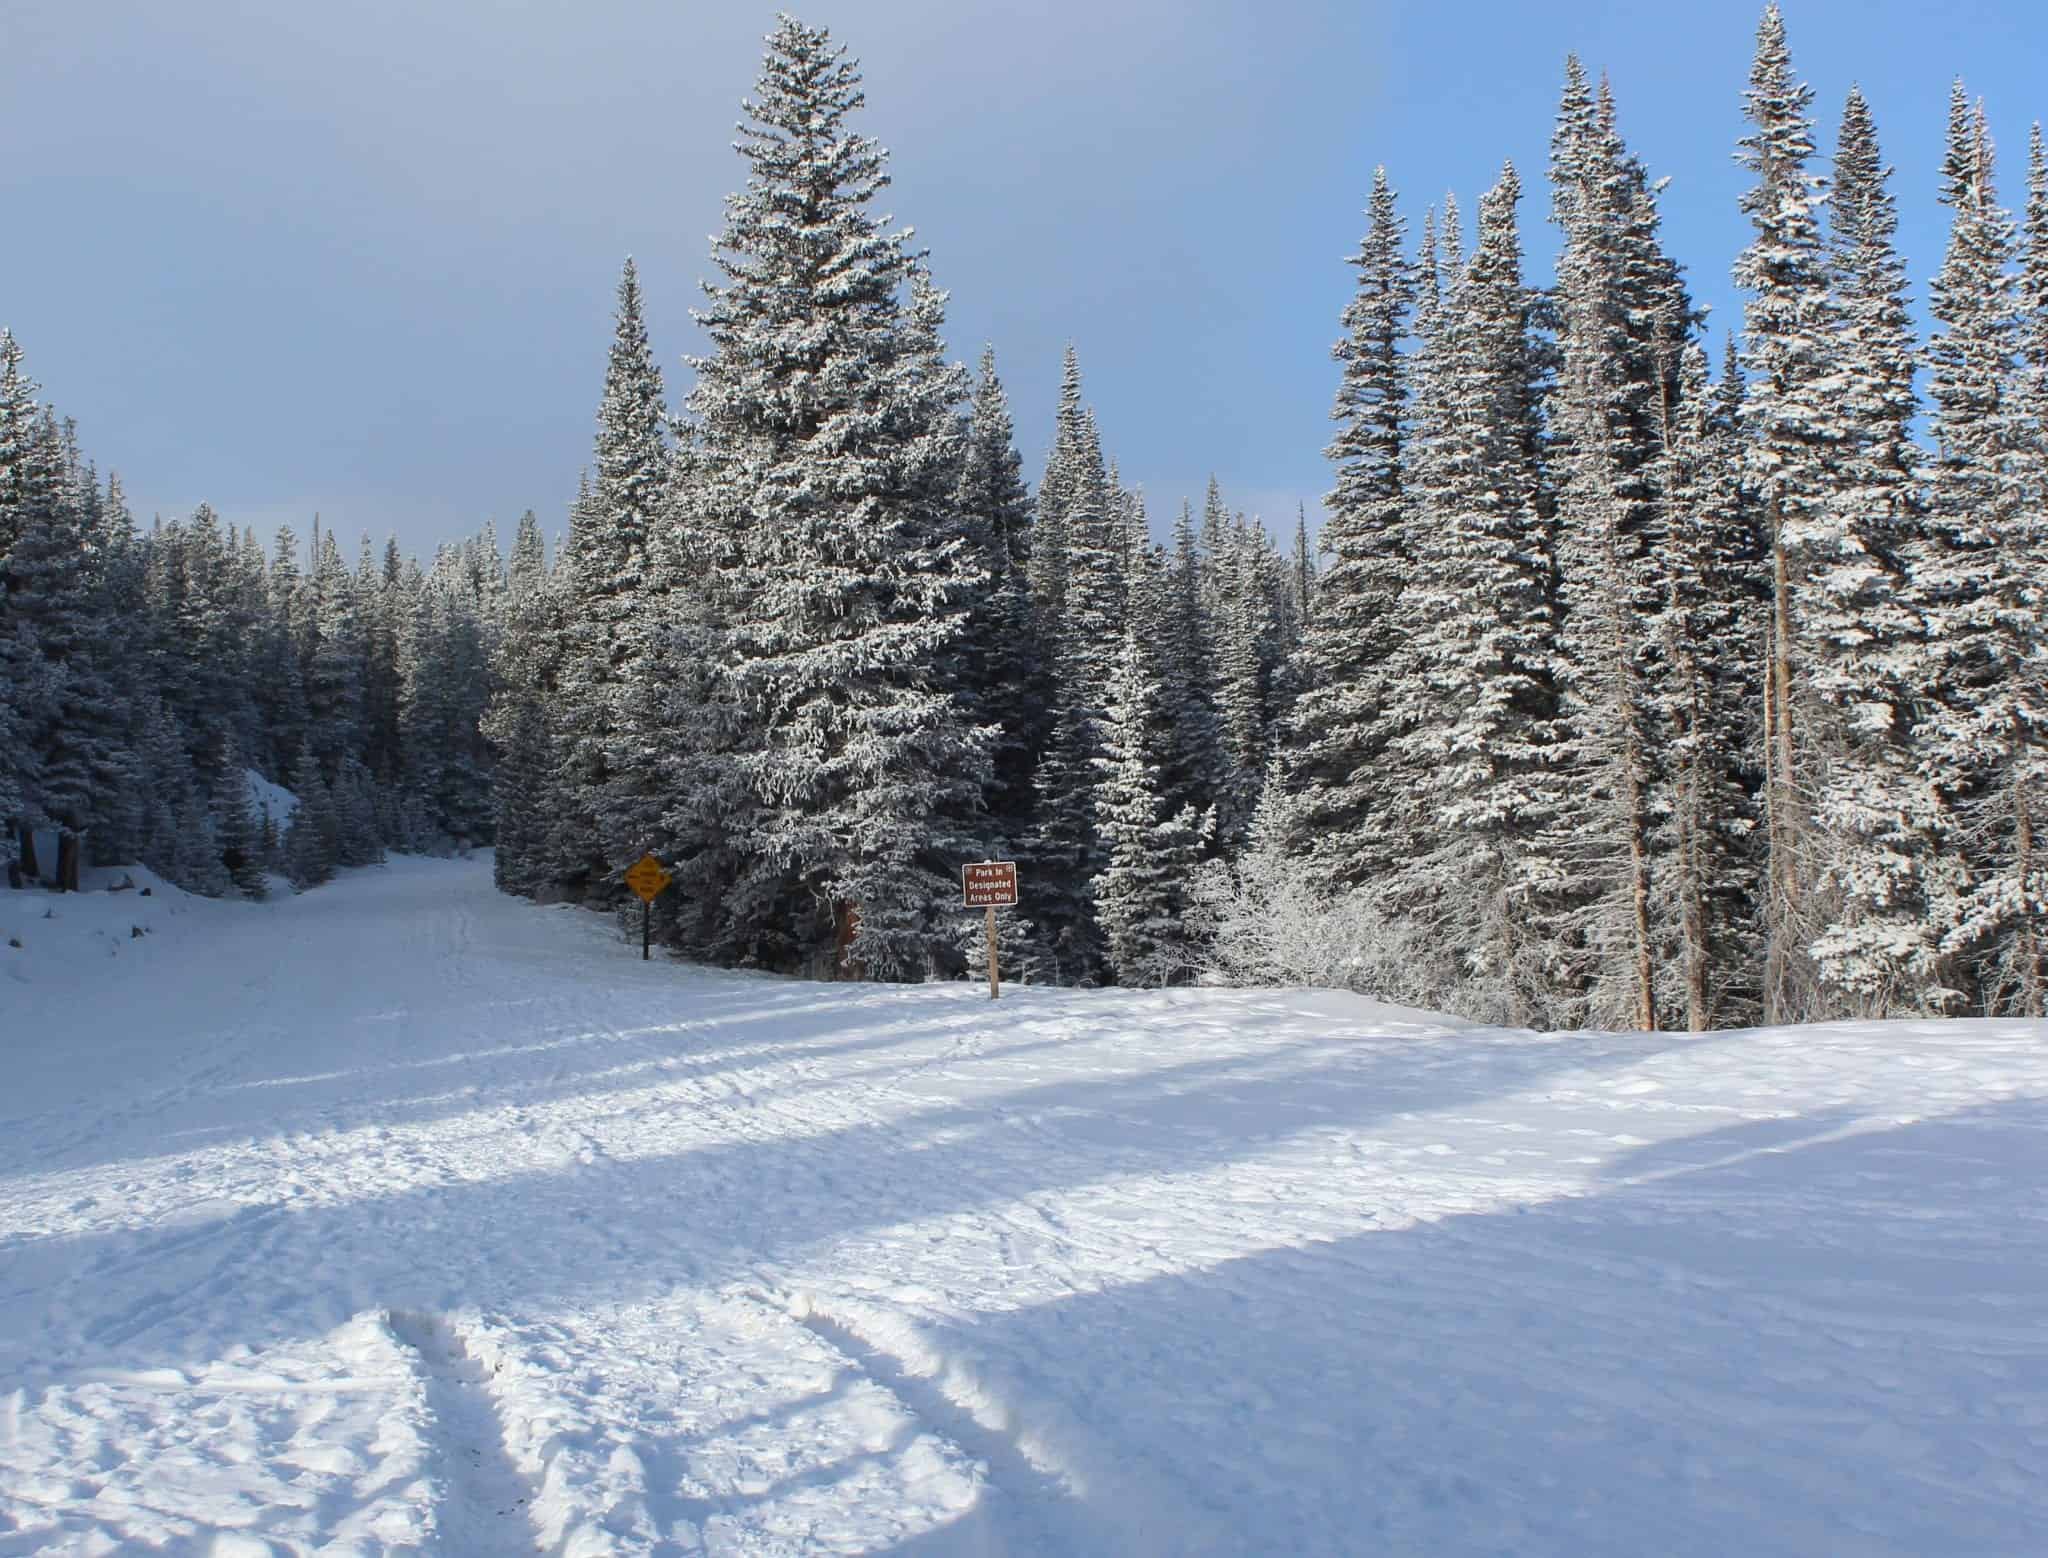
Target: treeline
column 1629, row 695
column 145, row 674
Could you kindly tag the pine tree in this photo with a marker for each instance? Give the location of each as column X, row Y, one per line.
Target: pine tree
column 829, row 446
column 1338, row 735
column 312, row 844
column 334, row 671
column 1245, row 636
column 1478, row 712
column 1074, row 555
column 1712, row 649
column 1622, row 317
column 1977, row 571
column 1195, row 768
column 51, row 604
column 1004, row 668
column 1793, row 431
column 235, row 830
column 28, row 682
column 1153, row 850
column 516, row 722
column 279, row 676
column 1873, row 814
column 606, row 573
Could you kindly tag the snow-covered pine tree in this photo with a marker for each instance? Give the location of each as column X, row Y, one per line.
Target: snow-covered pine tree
column 605, row 572
column 1075, row 555
column 51, row 604
column 1977, row 578
column 1303, row 572
column 382, row 610
column 1873, row 812
column 1622, row 316
column 516, row 722
column 1195, row 770
column 1002, row 656
column 312, row 843
column 1478, row 712
column 279, row 677
column 236, row 834
column 2033, row 280
column 1793, row 431
column 1337, row 735
column 334, row 673
column 121, row 652
column 1712, row 648
column 1245, row 633
column 443, row 688
column 829, row 447
column 1047, row 567
column 23, row 675
column 1141, row 895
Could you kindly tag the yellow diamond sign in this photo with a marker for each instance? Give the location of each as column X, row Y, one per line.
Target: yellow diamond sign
column 646, row 877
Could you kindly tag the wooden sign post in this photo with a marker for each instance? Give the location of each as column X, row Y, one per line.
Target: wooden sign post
column 647, row 879
column 990, row 884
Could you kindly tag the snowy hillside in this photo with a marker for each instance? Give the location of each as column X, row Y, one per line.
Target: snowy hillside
column 401, row 1216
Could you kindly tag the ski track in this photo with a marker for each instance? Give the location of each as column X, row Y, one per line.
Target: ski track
column 402, row 1217
column 482, row 1509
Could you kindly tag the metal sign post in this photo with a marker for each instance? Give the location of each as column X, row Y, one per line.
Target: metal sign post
column 647, row 879
column 990, row 884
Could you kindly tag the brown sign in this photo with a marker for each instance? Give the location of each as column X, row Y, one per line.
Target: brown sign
column 988, row 884
column 646, row 877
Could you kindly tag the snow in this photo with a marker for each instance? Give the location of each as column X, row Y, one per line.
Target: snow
column 271, row 799
column 402, row 1216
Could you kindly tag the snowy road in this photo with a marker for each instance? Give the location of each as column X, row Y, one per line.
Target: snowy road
column 404, row 1217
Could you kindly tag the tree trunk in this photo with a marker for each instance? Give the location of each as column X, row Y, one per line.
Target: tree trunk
column 845, row 926
column 2028, row 951
column 1638, row 851
column 29, row 868
column 1692, row 907
column 67, row 862
column 1783, row 829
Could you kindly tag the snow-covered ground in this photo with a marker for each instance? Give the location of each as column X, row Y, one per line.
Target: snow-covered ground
column 401, row 1216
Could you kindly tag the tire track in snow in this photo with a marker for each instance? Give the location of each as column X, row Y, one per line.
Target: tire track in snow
column 1031, row 1507
column 485, row 1507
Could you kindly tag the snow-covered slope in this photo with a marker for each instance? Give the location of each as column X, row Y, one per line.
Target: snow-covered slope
column 400, row 1216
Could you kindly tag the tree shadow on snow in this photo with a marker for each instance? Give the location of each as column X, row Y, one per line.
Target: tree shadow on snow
column 587, row 1227
column 1797, row 1344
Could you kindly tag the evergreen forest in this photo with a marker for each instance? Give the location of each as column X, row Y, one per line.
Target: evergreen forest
column 1627, row 682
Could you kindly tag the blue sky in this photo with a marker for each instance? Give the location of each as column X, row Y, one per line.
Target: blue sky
column 360, row 259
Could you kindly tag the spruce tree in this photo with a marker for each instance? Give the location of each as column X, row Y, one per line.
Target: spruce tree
column 1976, row 571
column 517, row 722
column 1195, row 769
column 1338, row 733
column 1874, row 815
column 1477, row 713
column 334, row 671
column 1622, row 316
column 829, row 448
column 1152, row 849
column 51, row 604
column 235, row 830
column 1074, row 558
column 1003, row 664
column 606, row 574
column 1793, row 430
